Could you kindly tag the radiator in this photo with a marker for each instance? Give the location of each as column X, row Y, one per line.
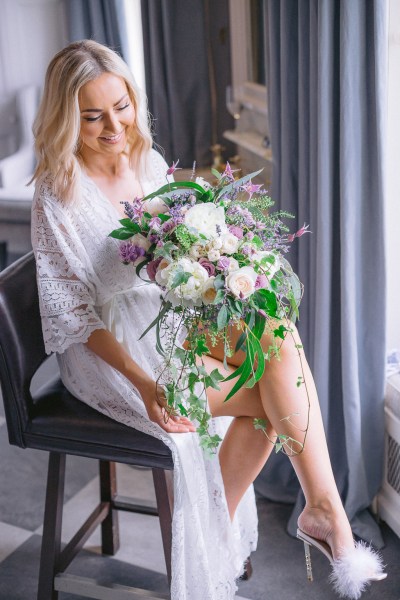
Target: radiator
column 389, row 495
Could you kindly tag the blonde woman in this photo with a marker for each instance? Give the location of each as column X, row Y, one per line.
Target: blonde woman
column 94, row 152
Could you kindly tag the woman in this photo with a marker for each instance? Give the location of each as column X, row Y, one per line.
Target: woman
column 94, row 153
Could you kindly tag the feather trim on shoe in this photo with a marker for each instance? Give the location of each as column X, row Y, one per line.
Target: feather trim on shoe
column 354, row 570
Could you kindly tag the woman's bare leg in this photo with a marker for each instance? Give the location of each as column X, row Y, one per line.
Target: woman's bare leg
column 244, row 451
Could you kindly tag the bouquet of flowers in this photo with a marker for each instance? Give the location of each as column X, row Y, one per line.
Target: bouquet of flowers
column 217, row 254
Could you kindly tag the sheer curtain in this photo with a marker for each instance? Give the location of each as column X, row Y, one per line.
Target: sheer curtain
column 326, row 68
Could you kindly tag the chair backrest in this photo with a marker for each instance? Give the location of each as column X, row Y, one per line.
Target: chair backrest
column 21, row 343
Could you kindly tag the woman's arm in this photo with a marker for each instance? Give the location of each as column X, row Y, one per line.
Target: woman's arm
column 104, row 344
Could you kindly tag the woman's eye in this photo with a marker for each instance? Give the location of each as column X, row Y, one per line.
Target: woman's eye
column 123, row 107
column 92, row 119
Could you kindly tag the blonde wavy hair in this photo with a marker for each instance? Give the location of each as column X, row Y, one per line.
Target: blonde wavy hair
column 57, row 124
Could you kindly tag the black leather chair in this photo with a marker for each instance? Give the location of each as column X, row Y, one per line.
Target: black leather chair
column 55, row 421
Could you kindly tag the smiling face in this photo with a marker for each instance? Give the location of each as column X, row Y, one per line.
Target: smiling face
column 106, row 114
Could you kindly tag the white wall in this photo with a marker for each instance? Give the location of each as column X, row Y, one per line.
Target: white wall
column 393, row 181
column 31, row 32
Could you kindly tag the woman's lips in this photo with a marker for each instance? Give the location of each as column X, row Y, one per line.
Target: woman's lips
column 112, row 139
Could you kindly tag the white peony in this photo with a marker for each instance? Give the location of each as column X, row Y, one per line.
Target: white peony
column 230, row 243
column 192, row 289
column 208, row 291
column 155, row 206
column 204, row 184
column 206, row 218
column 269, row 268
column 242, row 282
column 215, row 244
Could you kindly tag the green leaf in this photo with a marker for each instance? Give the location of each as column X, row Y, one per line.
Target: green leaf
column 219, row 297
column 183, row 410
column 130, row 225
column 216, row 174
column 219, row 282
column 260, row 424
column 223, row 317
column 165, row 307
column 121, row 234
column 174, row 185
column 201, row 346
column 180, row 278
column 280, row 332
column 240, row 342
column 239, row 182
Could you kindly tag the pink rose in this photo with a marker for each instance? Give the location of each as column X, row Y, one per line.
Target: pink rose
column 237, row 231
column 261, row 282
column 209, row 267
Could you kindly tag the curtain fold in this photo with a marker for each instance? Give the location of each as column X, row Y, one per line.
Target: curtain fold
column 326, row 81
column 187, row 61
column 99, row 20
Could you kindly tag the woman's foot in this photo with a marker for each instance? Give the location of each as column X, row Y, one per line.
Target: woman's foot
column 327, row 524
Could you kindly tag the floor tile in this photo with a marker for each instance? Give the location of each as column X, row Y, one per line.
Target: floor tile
column 11, row 538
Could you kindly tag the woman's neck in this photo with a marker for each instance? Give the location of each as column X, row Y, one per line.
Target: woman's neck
column 104, row 166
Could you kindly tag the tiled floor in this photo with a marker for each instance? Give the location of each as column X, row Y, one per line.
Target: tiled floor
column 278, row 563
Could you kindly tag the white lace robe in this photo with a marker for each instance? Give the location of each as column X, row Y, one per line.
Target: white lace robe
column 83, row 286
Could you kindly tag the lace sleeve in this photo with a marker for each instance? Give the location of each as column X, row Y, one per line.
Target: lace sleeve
column 66, row 296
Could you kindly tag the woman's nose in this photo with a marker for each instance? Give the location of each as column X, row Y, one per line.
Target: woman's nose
column 111, row 122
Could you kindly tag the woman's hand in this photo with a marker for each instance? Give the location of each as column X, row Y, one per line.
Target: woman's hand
column 157, row 408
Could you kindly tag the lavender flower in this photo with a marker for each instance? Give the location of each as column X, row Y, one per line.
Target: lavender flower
column 261, row 282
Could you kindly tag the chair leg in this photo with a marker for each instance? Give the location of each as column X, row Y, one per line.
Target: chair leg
column 108, row 490
column 163, row 485
column 51, row 540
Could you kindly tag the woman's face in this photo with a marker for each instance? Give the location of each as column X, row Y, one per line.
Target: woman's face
column 106, row 113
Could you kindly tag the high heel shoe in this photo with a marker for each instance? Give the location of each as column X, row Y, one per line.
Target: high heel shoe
column 352, row 571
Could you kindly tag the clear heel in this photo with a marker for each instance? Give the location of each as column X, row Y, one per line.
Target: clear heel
column 307, row 552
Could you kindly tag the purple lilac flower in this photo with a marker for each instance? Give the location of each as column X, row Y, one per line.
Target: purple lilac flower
column 130, row 253
column 236, row 231
column 247, row 250
column 249, row 235
column 261, row 282
column 208, row 266
column 153, row 238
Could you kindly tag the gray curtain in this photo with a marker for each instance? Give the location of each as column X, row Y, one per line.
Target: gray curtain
column 186, row 48
column 99, row 20
column 326, row 79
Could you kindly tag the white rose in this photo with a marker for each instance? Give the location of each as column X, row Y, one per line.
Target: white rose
column 213, row 255
column 208, row 291
column 155, row 206
column 269, row 268
column 139, row 240
column 230, row 243
column 242, row 282
column 204, row 184
column 206, row 218
column 233, row 264
column 215, row 244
